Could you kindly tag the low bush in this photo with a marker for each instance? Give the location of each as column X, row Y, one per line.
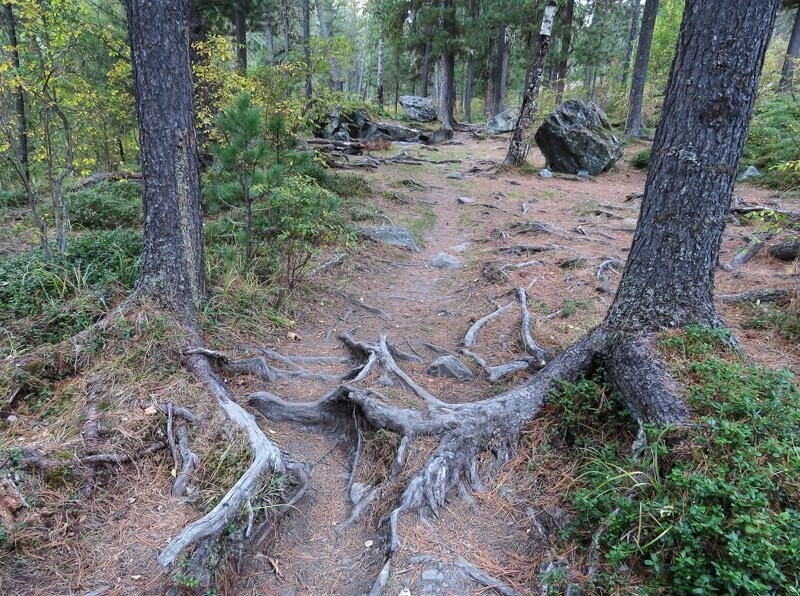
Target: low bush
column 107, row 206
column 10, row 199
column 707, row 509
column 773, row 142
column 641, row 160
column 44, row 302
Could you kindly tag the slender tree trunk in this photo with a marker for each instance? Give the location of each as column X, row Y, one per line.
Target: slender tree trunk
column 396, row 78
column 379, row 73
column 469, row 89
column 336, row 77
column 561, row 75
column 633, row 31
column 426, row 68
column 172, row 268
column 270, row 39
column 19, row 93
column 792, row 56
column 287, row 41
column 669, row 277
column 241, row 37
column 518, row 147
column 307, row 45
column 634, row 125
column 501, row 72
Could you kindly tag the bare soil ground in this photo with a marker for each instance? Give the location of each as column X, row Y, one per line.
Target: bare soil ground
column 109, row 545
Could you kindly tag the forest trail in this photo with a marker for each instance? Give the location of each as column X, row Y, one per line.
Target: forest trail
column 569, row 229
column 490, row 234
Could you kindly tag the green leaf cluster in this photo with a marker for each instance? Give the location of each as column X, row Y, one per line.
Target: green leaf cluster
column 707, row 509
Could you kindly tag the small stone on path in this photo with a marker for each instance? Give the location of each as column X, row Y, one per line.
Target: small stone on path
column 451, row 367
column 464, row 200
column 446, row 261
column 545, row 173
column 456, row 176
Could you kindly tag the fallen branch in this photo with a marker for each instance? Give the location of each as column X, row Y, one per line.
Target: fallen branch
column 766, row 295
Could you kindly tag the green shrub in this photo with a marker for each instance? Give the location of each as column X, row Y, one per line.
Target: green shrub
column 44, row 302
column 714, row 508
column 641, row 160
column 12, row 199
column 107, row 206
column 773, row 141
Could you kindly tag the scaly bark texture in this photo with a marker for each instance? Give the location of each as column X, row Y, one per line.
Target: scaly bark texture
column 172, row 270
column 501, row 72
column 518, row 147
column 447, row 93
column 669, row 277
column 792, row 56
column 633, row 127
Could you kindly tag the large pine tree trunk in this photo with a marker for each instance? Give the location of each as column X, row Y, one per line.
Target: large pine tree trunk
column 561, row 75
column 792, row 56
column 633, row 127
column 633, row 31
column 518, row 147
column 241, row 37
column 172, row 268
column 447, row 92
column 287, row 38
column 669, row 277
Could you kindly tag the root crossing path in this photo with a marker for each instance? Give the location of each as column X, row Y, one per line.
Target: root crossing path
column 384, row 396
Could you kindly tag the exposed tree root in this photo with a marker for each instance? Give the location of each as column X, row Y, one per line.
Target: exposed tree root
column 465, row 430
column 266, row 457
column 766, row 295
column 754, row 245
column 484, row 578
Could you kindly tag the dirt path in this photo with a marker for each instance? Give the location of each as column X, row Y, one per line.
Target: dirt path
column 590, row 223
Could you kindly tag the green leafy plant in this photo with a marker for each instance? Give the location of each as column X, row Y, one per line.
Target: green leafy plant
column 773, row 142
column 641, row 160
column 107, row 206
column 707, row 509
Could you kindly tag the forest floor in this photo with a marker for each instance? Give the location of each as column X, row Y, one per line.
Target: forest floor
column 111, row 545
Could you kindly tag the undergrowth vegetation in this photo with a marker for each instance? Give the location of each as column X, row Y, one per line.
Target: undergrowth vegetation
column 710, row 508
column 773, row 142
column 45, row 301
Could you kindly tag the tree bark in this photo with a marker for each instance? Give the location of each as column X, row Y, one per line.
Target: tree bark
column 307, row 45
column 501, row 72
column 19, row 93
column 379, row 73
column 669, row 277
column 633, row 127
column 792, row 56
column 633, row 31
column 469, row 89
column 269, row 37
column 241, row 37
column 447, row 93
column 425, row 75
column 336, row 78
column 172, row 268
column 561, row 76
column 518, row 147
column 287, row 40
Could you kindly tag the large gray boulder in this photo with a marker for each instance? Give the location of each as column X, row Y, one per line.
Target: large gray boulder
column 503, row 122
column 417, row 108
column 577, row 136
